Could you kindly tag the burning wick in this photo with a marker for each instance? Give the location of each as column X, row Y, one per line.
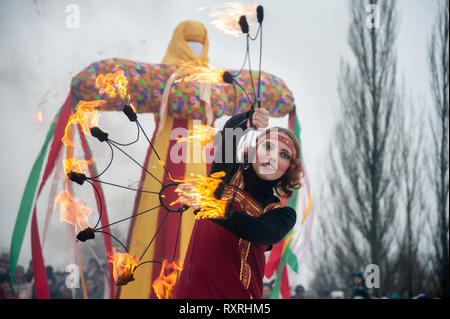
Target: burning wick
column 73, row 211
column 260, row 14
column 130, row 113
column 99, row 134
column 227, row 77
column 86, row 234
column 110, row 82
column 204, row 195
column 200, row 72
column 76, row 177
column 163, row 285
column 203, row 134
column 123, row 267
column 244, row 24
column 86, row 116
column 125, row 278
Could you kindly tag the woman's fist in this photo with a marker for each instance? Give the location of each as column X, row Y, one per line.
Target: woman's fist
column 260, row 118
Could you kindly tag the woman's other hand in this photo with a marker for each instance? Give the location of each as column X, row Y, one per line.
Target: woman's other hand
column 188, row 195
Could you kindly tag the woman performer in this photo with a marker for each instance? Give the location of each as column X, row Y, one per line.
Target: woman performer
column 225, row 258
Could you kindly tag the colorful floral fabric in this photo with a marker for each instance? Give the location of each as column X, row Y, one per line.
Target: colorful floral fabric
column 146, row 86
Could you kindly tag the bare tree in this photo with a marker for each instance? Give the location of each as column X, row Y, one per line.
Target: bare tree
column 322, row 260
column 364, row 192
column 411, row 178
column 438, row 63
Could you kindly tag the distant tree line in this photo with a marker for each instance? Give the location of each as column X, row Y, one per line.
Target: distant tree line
column 385, row 198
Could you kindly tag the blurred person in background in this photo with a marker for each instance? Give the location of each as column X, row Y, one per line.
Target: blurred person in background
column 267, row 290
column 358, row 289
column 5, row 287
column 64, row 292
column 99, row 279
column 92, row 289
column 52, row 283
column 4, row 263
column 29, row 274
column 92, row 268
column 299, row 292
column 21, row 286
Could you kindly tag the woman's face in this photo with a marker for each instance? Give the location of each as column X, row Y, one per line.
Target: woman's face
column 272, row 158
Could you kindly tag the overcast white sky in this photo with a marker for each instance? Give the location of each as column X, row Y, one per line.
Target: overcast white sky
column 303, row 44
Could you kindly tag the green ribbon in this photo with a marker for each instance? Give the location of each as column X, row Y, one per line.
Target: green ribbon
column 288, row 255
column 275, row 294
column 25, row 205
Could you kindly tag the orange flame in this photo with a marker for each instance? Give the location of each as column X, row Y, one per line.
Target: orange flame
column 227, row 16
column 123, row 266
column 201, row 133
column 163, row 285
column 72, row 210
column 86, row 116
column 199, row 194
column 75, row 165
column 108, row 83
column 200, row 72
column 37, row 118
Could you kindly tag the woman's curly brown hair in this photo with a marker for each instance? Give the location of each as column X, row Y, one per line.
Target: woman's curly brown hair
column 292, row 178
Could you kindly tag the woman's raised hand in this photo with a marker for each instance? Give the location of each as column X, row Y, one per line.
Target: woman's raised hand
column 260, row 118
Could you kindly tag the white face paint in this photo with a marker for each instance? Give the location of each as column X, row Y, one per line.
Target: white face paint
column 196, row 47
column 272, row 159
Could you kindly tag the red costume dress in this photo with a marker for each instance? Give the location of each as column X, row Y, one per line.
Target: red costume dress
column 225, row 257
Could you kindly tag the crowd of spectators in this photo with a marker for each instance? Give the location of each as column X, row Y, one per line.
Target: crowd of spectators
column 23, row 287
column 356, row 290
column 94, row 280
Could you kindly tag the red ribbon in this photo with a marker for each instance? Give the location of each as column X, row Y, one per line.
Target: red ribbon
column 40, row 274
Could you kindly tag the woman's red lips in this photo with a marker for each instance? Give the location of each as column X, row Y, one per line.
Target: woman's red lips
column 268, row 165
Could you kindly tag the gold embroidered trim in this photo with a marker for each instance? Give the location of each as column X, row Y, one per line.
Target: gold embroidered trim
column 245, row 273
column 251, row 207
column 273, row 206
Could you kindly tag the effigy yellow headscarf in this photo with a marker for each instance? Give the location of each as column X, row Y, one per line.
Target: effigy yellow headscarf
column 178, row 51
